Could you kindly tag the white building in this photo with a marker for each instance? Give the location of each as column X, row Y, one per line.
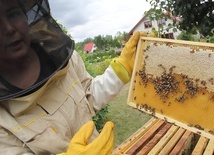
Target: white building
column 89, row 48
column 145, row 24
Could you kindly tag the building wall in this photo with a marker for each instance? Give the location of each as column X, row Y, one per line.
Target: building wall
column 141, row 27
column 93, row 48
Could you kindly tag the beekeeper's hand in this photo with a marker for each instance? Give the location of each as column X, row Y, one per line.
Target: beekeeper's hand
column 123, row 65
column 102, row 145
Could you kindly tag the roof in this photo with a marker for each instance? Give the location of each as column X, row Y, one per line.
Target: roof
column 88, row 47
column 140, row 21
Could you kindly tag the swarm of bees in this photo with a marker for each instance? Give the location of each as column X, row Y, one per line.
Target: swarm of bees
column 167, row 84
column 163, row 85
column 143, row 76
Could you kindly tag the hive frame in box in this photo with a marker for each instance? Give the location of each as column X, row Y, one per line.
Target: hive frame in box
column 139, row 88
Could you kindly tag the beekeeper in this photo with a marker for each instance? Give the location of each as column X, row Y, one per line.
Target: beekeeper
column 46, row 94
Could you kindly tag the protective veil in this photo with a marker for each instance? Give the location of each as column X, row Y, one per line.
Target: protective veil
column 45, row 32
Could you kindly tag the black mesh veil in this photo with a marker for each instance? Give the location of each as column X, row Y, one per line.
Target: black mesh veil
column 34, row 9
column 46, row 33
column 45, row 30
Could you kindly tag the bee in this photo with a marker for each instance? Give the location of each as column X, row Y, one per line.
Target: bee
column 161, row 111
column 199, row 127
column 192, row 51
column 147, row 47
column 190, row 125
column 137, row 105
column 181, row 99
column 145, row 106
column 171, row 69
column 212, row 132
column 203, row 83
column 211, row 80
column 168, row 44
column 160, row 65
column 152, row 110
column 196, row 80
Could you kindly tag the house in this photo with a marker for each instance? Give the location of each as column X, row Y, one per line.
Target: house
column 145, row 24
column 89, row 48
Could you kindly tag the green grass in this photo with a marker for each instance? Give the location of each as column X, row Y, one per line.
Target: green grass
column 127, row 120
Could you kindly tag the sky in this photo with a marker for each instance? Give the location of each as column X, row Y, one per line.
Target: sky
column 89, row 18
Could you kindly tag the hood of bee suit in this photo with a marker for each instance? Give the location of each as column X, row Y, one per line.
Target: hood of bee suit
column 45, row 30
column 46, row 33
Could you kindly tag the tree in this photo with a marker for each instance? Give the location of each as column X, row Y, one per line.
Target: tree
column 186, row 36
column 120, row 37
column 116, row 43
column 98, row 40
column 194, row 14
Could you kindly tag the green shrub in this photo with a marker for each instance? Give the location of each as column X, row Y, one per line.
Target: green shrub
column 100, row 116
column 97, row 63
column 99, row 56
column 210, row 39
column 98, row 68
column 186, row 36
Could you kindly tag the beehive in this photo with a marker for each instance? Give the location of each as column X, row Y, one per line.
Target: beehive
column 174, row 80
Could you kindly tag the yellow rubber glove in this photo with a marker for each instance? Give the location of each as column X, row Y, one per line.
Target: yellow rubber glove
column 123, row 65
column 102, row 145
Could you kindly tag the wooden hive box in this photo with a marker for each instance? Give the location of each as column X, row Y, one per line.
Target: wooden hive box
column 174, row 82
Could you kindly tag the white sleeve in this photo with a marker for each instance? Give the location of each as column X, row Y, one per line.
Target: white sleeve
column 105, row 87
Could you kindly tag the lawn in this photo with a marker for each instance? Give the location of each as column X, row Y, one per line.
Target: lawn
column 127, row 120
